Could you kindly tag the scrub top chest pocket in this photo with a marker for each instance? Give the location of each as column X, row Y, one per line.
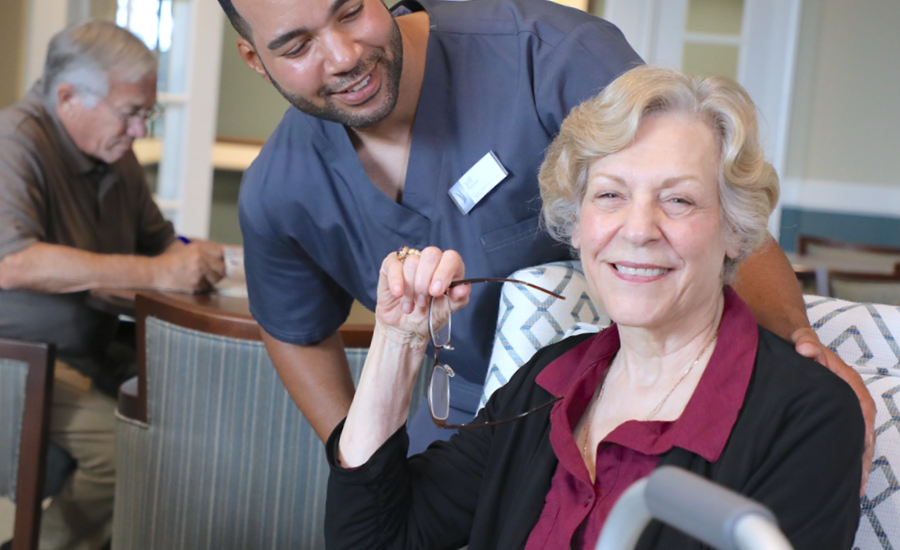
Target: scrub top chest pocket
column 520, row 245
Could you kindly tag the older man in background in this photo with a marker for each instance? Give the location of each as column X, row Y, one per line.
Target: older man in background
column 76, row 213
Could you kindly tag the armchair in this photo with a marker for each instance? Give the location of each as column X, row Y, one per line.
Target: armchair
column 212, row 451
column 26, row 384
column 864, row 335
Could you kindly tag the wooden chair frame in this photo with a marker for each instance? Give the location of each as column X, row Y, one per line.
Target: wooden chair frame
column 823, row 276
column 803, row 242
column 40, row 358
column 133, row 400
column 850, row 276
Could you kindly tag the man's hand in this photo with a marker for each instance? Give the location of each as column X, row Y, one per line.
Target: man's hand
column 808, row 345
column 196, row 266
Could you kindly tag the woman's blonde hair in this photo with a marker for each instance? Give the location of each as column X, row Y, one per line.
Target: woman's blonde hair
column 608, row 123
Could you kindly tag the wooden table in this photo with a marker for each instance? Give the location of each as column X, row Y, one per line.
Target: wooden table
column 227, row 316
column 121, row 302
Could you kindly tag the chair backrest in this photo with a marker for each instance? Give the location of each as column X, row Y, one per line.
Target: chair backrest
column 849, row 252
column 864, row 335
column 875, row 288
column 529, row 320
column 26, row 385
column 219, row 456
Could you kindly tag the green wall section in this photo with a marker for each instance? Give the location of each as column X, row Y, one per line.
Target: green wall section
column 249, row 107
column 12, row 44
column 715, row 16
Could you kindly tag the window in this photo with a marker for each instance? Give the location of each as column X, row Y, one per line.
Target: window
column 178, row 155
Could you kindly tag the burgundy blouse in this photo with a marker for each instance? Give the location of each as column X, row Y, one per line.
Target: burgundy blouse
column 575, row 509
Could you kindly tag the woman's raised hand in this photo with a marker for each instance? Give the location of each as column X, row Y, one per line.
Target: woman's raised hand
column 382, row 398
column 405, row 289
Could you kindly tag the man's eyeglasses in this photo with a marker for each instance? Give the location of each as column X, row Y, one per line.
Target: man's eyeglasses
column 137, row 116
column 439, row 386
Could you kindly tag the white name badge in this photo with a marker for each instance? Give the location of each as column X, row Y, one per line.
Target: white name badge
column 477, row 182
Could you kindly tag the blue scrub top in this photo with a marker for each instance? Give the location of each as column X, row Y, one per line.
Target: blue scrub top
column 500, row 76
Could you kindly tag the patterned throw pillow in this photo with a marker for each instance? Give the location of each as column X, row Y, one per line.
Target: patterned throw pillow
column 529, row 319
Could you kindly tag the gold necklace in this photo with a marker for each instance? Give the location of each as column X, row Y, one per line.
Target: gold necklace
column 658, row 406
column 683, row 376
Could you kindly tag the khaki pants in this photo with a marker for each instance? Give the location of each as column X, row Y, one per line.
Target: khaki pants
column 83, row 423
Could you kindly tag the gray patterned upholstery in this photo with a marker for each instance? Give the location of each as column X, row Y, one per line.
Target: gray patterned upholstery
column 226, row 461
column 13, row 375
column 864, row 335
column 528, row 319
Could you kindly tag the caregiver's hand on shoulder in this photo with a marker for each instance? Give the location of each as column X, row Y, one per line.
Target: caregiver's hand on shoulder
column 406, row 287
column 807, row 344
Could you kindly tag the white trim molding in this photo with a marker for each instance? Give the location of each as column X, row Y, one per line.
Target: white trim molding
column 654, row 28
column 860, row 199
column 766, row 66
column 185, row 172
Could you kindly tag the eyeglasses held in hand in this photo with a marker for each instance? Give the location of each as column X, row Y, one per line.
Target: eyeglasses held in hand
column 439, row 386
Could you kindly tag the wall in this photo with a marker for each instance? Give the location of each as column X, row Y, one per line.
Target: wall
column 13, row 23
column 79, row 10
column 249, row 107
column 716, row 17
column 844, row 148
column 854, row 133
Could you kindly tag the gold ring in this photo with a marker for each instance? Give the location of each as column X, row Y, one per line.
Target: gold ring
column 405, row 252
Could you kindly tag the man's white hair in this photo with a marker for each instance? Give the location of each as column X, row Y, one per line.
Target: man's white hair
column 88, row 54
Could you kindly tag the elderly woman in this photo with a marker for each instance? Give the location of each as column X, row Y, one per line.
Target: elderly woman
column 661, row 186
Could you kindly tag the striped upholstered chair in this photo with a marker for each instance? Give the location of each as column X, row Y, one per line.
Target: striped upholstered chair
column 212, row 451
column 865, row 335
column 26, row 382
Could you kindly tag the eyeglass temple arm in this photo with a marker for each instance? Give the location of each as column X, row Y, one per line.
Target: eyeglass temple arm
column 443, row 424
column 496, row 280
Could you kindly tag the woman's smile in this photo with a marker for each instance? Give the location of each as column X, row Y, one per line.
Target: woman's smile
column 641, row 273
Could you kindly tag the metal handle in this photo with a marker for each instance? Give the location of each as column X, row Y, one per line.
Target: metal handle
column 708, row 512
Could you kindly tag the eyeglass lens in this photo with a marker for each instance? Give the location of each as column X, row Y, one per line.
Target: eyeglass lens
column 154, row 113
column 439, row 386
column 439, row 393
column 140, row 117
column 438, row 313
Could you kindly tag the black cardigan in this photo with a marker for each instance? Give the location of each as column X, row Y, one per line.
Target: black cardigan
column 796, row 447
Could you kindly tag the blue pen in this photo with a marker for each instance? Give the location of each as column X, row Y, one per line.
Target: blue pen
column 183, row 239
